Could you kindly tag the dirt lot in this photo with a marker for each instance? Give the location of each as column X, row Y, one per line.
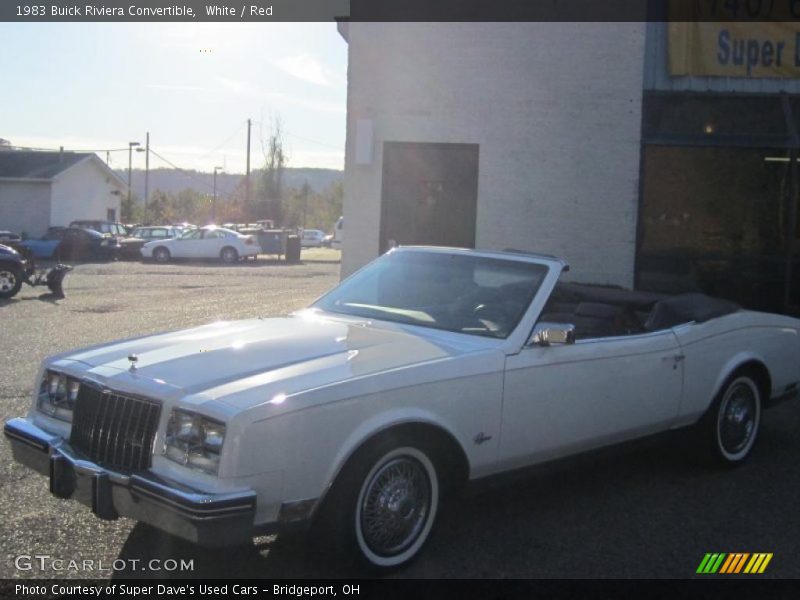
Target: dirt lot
column 648, row 512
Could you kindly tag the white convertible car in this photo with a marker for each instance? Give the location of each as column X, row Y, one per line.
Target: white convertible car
column 428, row 368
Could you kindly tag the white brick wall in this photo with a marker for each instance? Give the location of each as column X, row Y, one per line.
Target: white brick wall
column 83, row 192
column 25, row 207
column 556, row 109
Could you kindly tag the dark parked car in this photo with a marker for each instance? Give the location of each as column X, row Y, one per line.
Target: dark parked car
column 14, row 269
column 8, row 236
column 107, row 227
column 130, row 247
column 86, row 244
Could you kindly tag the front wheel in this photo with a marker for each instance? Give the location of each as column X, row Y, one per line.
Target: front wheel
column 732, row 424
column 385, row 504
column 10, row 280
column 161, row 255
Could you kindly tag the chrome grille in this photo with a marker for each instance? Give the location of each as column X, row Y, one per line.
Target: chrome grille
column 114, row 430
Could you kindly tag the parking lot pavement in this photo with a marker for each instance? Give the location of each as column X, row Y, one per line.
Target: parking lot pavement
column 650, row 511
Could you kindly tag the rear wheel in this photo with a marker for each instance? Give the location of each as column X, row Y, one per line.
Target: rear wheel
column 383, row 505
column 161, row 255
column 731, row 426
column 229, row 255
column 10, row 280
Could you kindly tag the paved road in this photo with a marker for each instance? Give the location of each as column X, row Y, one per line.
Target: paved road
column 651, row 511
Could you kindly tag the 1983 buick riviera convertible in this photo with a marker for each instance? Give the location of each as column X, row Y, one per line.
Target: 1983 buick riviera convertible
column 427, row 368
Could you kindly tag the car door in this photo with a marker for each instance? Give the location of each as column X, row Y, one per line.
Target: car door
column 70, row 247
column 212, row 243
column 563, row 399
column 187, row 246
column 48, row 245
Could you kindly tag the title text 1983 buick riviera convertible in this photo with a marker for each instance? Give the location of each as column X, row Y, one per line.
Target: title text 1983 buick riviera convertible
column 427, row 368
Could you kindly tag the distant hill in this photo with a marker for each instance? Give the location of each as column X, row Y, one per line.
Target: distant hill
column 172, row 180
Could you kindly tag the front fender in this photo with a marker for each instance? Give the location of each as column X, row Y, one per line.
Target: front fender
column 381, row 423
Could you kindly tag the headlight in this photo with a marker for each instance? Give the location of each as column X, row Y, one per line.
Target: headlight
column 57, row 395
column 194, row 440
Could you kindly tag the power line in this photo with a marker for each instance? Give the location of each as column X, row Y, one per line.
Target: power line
column 183, row 171
column 68, row 149
column 234, row 134
column 300, row 137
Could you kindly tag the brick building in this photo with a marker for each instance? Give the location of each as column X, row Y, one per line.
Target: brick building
column 613, row 145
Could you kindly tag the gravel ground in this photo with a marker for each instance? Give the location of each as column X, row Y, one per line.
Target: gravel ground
column 648, row 511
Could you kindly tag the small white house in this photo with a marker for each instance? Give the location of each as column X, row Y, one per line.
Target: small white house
column 44, row 189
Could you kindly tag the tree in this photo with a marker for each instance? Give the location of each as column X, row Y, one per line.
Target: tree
column 159, row 208
column 269, row 188
column 131, row 210
column 313, row 210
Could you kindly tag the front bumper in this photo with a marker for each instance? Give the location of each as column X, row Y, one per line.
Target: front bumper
column 210, row 520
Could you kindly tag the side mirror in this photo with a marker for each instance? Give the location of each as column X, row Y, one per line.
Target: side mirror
column 547, row 334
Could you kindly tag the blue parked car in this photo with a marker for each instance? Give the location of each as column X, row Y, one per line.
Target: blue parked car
column 74, row 243
column 45, row 247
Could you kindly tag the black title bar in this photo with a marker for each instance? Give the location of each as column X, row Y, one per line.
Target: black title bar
column 398, row 589
column 397, row 10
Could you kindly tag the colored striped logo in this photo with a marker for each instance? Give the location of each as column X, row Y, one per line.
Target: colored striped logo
column 734, row 563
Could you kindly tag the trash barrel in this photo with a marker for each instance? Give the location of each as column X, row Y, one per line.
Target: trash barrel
column 271, row 242
column 293, row 249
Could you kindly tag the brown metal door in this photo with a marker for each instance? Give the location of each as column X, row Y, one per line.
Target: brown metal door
column 429, row 194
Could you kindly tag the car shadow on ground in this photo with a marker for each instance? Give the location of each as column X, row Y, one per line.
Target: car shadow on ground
column 47, row 297
column 216, row 263
column 480, row 525
column 284, row 556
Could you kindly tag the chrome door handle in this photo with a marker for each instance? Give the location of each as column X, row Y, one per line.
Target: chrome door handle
column 674, row 357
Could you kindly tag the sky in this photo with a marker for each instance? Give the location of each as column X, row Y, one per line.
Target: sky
column 97, row 86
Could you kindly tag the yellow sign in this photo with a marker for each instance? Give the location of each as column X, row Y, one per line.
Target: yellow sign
column 734, row 49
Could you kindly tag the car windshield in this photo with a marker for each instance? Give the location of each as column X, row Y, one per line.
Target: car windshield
column 455, row 292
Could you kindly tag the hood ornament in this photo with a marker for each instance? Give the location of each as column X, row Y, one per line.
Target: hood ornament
column 133, row 359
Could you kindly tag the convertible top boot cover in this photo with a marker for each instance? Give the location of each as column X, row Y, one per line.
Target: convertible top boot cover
column 686, row 308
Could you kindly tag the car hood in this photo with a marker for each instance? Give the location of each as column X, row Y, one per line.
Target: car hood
column 243, row 362
column 8, row 251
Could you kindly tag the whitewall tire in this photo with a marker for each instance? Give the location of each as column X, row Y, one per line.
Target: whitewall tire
column 396, row 507
column 738, row 418
column 382, row 507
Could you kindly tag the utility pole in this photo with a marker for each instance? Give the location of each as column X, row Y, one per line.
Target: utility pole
column 306, row 189
column 214, row 204
column 247, row 175
column 130, row 165
column 146, row 175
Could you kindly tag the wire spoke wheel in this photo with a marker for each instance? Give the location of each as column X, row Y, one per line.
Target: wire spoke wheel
column 738, row 419
column 396, row 507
